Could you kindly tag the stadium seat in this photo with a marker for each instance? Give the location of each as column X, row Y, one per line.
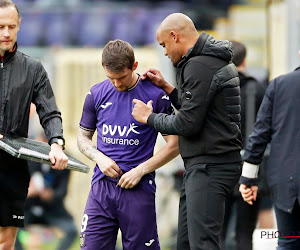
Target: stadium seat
column 55, row 27
column 30, row 31
column 93, row 27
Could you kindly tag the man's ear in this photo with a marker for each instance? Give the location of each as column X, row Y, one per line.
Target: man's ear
column 174, row 35
column 135, row 64
column 19, row 23
column 244, row 63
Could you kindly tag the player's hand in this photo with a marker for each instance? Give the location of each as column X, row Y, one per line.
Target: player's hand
column 141, row 111
column 131, row 178
column 1, row 136
column 58, row 157
column 156, row 77
column 249, row 194
column 109, row 167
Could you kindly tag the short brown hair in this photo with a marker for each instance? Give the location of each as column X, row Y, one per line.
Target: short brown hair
column 7, row 3
column 118, row 55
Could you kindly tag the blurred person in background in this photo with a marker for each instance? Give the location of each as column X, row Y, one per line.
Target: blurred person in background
column 245, row 219
column 22, row 80
column 45, row 201
column 277, row 123
column 208, row 125
column 122, row 194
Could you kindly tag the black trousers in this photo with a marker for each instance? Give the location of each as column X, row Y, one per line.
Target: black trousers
column 288, row 225
column 14, row 182
column 244, row 223
column 202, row 204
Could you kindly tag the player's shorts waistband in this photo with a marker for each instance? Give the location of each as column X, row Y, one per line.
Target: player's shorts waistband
column 114, row 180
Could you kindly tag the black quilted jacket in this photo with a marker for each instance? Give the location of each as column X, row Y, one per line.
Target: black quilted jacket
column 208, row 103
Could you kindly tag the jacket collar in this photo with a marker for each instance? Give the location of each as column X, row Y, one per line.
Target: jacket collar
column 196, row 49
column 9, row 54
column 297, row 68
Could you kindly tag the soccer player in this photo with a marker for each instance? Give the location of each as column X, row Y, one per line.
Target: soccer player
column 122, row 194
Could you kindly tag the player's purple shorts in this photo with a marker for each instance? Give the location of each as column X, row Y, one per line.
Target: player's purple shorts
column 110, row 207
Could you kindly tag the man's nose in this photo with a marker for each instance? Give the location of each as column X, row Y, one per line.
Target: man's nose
column 118, row 83
column 6, row 32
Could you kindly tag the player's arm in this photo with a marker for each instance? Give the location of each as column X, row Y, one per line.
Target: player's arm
column 88, row 148
column 163, row 156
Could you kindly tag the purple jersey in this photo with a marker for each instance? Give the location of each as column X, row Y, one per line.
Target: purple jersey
column 119, row 135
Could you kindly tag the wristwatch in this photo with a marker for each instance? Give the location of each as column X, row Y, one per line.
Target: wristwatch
column 59, row 141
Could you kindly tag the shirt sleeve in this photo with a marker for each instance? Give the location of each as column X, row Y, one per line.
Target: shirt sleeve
column 163, row 104
column 262, row 130
column 89, row 117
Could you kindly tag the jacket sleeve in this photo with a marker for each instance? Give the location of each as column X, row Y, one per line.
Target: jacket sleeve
column 195, row 101
column 262, row 130
column 174, row 99
column 259, row 139
column 43, row 98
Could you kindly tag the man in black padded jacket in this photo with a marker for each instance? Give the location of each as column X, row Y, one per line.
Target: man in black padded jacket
column 208, row 125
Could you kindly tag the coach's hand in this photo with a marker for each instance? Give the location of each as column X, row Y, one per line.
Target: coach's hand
column 58, row 157
column 156, row 77
column 141, row 111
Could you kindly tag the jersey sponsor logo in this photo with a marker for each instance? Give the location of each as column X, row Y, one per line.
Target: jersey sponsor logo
column 105, row 105
column 121, row 141
column 121, row 131
column 148, row 244
column 166, row 97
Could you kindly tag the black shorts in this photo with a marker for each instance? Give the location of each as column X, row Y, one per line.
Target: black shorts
column 14, row 182
column 11, row 213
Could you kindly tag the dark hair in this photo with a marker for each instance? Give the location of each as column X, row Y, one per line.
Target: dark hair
column 239, row 53
column 7, row 3
column 118, row 55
